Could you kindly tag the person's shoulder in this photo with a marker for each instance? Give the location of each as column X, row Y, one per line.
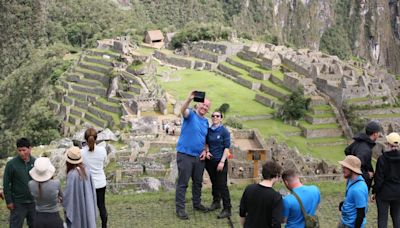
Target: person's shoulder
column 312, row 188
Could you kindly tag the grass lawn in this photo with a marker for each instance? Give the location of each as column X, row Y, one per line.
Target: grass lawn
column 277, row 129
column 218, row 89
column 157, row 209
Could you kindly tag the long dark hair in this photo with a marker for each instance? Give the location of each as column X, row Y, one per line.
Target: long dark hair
column 79, row 167
column 90, row 137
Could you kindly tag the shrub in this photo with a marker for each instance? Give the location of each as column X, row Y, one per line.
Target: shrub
column 234, row 122
column 294, row 107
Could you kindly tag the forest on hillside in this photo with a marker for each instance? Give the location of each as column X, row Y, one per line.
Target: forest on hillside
column 36, row 35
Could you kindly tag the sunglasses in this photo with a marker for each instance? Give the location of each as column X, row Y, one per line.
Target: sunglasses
column 215, row 116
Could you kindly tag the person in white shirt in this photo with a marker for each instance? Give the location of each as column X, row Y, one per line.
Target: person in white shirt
column 95, row 158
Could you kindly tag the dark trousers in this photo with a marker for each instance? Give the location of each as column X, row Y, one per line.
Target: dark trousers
column 22, row 211
column 219, row 181
column 101, row 204
column 48, row 220
column 383, row 209
column 188, row 166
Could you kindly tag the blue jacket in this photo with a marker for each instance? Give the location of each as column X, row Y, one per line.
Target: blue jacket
column 217, row 140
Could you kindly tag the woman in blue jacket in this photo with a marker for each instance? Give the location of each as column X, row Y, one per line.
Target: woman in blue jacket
column 218, row 141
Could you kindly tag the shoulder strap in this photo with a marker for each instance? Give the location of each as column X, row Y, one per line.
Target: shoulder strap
column 352, row 185
column 303, row 210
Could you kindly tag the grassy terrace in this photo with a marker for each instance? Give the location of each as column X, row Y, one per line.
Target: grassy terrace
column 255, row 66
column 382, row 116
column 317, row 126
column 323, row 115
column 84, row 70
column 97, row 65
column 99, row 84
column 171, row 54
column 247, row 76
column 104, row 101
column 275, row 99
column 362, row 99
column 107, row 52
column 145, row 50
column 327, row 140
column 322, row 108
column 136, row 67
column 240, row 99
column 99, row 58
column 87, row 113
column 277, row 129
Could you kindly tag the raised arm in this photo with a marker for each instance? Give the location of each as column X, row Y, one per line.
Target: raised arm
column 185, row 105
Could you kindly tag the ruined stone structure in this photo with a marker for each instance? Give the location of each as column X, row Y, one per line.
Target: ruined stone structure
column 154, row 38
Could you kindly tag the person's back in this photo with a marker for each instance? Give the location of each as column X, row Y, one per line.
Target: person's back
column 259, row 202
column 310, row 197
column 47, row 201
column 95, row 161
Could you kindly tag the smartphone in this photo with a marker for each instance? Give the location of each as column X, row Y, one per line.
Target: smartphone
column 199, row 96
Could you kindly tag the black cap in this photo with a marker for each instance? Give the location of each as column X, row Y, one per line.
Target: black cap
column 373, row 127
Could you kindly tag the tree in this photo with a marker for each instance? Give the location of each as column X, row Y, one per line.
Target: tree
column 335, row 41
column 295, row 106
column 223, row 108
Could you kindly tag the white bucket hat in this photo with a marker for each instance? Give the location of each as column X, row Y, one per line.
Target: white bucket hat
column 393, row 139
column 42, row 170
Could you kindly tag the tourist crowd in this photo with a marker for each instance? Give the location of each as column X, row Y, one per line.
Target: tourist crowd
column 31, row 192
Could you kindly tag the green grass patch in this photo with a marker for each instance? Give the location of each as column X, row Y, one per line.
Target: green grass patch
column 97, row 65
column 136, row 67
column 321, row 107
column 84, row 70
column 383, row 116
column 240, row 99
column 145, row 50
column 323, row 115
column 107, row 52
column 104, row 101
column 247, row 76
column 112, row 167
column 157, row 209
column 99, row 58
column 362, row 99
column 318, row 126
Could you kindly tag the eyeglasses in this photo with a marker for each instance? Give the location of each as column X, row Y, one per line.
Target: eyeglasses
column 216, row 116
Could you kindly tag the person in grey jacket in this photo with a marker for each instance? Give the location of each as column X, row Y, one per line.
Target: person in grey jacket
column 79, row 194
column 47, row 193
column 387, row 183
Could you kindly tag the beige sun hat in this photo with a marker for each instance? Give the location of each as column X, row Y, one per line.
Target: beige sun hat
column 353, row 163
column 393, row 139
column 73, row 155
column 42, row 170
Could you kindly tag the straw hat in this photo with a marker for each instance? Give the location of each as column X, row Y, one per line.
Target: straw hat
column 42, row 170
column 353, row 163
column 393, row 139
column 73, row 155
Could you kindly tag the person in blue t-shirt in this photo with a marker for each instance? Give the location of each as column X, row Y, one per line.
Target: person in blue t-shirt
column 218, row 142
column 191, row 154
column 355, row 205
column 309, row 195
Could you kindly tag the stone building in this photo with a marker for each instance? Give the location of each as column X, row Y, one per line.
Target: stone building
column 154, row 38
